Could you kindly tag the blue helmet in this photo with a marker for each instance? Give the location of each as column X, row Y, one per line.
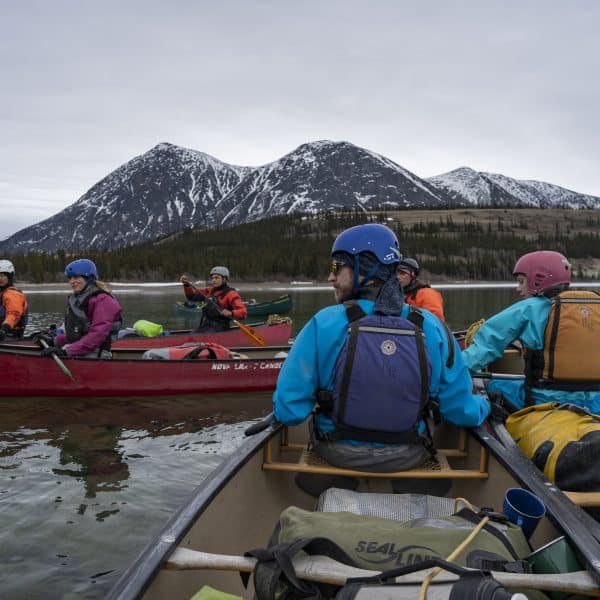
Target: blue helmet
column 82, row 267
column 377, row 239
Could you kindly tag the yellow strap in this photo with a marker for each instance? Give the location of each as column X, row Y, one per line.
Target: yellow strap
column 471, row 331
column 451, row 557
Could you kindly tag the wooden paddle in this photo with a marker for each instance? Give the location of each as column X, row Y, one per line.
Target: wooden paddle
column 58, row 361
column 251, row 334
column 326, row 570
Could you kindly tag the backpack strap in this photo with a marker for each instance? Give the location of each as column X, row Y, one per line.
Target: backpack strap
column 196, row 351
column 275, row 567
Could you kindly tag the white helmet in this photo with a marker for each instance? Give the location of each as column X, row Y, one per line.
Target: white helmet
column 222, row 271
column 7, row 267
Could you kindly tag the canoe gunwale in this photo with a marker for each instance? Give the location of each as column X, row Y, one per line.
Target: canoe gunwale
column 578, row 526
column 138, row 577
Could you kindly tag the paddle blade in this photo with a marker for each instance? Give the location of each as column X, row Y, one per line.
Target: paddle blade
column 251, row 334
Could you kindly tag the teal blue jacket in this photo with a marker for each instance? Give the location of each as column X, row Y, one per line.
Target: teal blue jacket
column 524, row 321
column 310, row 367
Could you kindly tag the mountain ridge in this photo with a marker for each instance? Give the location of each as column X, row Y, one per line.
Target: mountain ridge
column 169, row 189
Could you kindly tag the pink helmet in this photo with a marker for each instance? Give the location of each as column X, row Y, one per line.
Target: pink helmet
column 544, row 269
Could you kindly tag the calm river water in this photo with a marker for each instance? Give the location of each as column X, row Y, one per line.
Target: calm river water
column 84, row 484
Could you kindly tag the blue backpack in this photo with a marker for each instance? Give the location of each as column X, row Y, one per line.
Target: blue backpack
column 381, row 382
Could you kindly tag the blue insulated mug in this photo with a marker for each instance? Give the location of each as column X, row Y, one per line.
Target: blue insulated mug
column 524, row 509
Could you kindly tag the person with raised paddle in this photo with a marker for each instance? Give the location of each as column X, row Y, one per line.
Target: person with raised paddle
column 222, row 305
column 371, row 367
column 13, row 305
column 559, row 329
column 93, row 316
column 417, row 293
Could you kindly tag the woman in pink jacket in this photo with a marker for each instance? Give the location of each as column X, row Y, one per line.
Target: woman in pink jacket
column 93, row 315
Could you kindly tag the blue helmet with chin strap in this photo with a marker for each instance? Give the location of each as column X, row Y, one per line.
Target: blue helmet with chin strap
column 378, row 240
column 82, row 267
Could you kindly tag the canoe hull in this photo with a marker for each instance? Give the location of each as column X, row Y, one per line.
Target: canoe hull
column 33, row 376
column 234, row 523
column 277, row 334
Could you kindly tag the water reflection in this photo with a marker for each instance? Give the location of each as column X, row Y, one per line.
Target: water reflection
column 84, row 484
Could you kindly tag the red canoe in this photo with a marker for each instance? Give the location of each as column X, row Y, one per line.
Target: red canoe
column 278, row 334
column 28, row 374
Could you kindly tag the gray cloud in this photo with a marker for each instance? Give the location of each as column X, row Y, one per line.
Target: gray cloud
column 508, row 87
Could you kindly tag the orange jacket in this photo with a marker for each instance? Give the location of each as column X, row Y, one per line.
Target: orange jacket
column 14, row 309
column 427, row 298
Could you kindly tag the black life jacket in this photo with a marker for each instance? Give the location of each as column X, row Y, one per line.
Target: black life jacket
column 19, row 328
column 571, row 353
column 381, row 382
column 77, row 323
column 212, row 310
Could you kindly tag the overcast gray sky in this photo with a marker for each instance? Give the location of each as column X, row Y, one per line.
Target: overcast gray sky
column 505, row 86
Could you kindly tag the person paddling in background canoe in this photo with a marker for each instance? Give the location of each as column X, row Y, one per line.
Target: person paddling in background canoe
column 559, row 329
column 13, row 305
column 222, row 302
column 93, row 315
column 417, row 293
column 371, row 367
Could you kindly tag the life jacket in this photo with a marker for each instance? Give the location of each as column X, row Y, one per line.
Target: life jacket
column 19, row 328
column 215, row 303
column 77, row 323
column 571, row 354
column 204, row 350
column 381, row 380
column 562, row 440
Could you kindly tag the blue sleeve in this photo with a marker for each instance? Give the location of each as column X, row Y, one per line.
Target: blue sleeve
column 524, row 321
column 310, row 364
column 451, row 384
column 297, row 384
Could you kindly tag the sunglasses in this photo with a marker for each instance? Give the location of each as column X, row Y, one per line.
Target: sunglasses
column 336, row 267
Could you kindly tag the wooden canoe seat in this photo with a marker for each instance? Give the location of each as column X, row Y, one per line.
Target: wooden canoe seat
column 584, row 498
column 298, row 458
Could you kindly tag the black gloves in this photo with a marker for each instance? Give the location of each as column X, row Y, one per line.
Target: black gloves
column 46, row 337
column 4, row 331
column 498, row 411
column 54, row 350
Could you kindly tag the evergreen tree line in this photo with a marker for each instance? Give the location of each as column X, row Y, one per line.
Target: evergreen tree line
column 298, row 246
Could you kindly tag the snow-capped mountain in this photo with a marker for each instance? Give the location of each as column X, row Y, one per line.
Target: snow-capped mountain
column 170, row 188
column 326, row 175
column 163, row 191
column 492, row 189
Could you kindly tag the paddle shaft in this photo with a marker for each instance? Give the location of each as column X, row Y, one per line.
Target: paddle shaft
column 326, row 570
column 507, row 376
column 58, row 361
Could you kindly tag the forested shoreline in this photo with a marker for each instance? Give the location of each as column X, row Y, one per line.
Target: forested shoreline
column 461, row 244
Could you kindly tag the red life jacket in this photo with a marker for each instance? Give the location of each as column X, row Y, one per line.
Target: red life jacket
column 206, row 350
